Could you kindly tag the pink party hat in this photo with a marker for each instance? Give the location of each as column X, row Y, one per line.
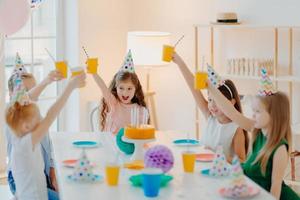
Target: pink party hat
column 83, row 170
column 220, row 166
column 128, row 65
column 266, row 86
column 213, row 77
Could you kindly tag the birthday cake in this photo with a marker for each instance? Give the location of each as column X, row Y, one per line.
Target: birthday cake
column 142, row 132
column 227, row 17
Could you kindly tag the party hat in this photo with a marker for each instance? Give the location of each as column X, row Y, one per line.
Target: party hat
column 213, row 77
column 128, row 65
column 266, row 86
column 83, row 170
column 19, row 66
column 238, row 187
column 220, row 166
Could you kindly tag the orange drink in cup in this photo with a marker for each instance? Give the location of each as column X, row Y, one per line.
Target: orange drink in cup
column 62, row 67
column 200, row 80
column 77, row 71
column 92, row 65
column 168, row 52
column 112, row 174
column 188, row 159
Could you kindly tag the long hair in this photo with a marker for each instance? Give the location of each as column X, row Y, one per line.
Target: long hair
column 233, row 94
column 137, row 98
column 278, row 107
column 16, row 114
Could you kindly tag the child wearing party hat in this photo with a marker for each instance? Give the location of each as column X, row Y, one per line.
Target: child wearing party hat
column 23, row 118
column 123, row 94
column 28, row 82
column 271, row 136
column 220, row 129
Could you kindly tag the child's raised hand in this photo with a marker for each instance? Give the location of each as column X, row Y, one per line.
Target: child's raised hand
column 78, row 81
column 177, row 59
column 54, row 75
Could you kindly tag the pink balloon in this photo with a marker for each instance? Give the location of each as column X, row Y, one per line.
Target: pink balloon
column 13, row 15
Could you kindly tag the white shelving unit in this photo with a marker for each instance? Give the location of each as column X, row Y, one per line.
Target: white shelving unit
column 289, row 78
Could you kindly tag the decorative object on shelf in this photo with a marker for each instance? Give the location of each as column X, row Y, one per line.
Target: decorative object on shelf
column 266, row 85
column 238, row 187
column 13, row 15
column 83, row 170
column 159, row 156
column 226, row 18
column 249, row 66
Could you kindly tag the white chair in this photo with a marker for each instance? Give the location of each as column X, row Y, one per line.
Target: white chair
column 94, row 119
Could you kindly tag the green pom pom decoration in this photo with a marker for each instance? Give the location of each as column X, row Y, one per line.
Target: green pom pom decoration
column 127, row 148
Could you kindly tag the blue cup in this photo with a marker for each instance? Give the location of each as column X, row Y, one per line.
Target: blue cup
column 151, row 181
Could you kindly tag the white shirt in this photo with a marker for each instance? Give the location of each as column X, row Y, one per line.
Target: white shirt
column 216, row 134
column 27, row 167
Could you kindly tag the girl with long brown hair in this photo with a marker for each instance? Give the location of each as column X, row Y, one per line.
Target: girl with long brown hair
column 220, row 130
column 124, row 93
column 271, row 137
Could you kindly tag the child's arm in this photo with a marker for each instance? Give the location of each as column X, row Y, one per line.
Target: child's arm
column 189, row 78
column 228, row 109
column 280, row 161
column 42, row 128
column 105, row 91
column 238, row 144
column 35, row 92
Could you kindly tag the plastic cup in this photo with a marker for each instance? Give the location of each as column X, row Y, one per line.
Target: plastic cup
column 151, row 181
column 77, row 71
column 92, row 65
column 62, row 67
column 168, row 52
column 188, row 159
column 200, row 80
column 112, row 174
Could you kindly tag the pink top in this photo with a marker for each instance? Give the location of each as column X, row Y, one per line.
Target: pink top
column 119, row 114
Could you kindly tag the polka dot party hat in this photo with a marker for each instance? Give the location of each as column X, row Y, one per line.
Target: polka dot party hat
column 213, row 77
column 220, row 166
column 266, row 86
column 19, row 66
column 83, row 170
column 128, row 65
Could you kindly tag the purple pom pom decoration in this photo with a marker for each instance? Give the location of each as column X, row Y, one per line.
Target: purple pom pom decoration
column 159, row 156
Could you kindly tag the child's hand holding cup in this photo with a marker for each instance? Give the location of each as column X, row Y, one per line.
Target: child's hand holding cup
column 78, row 81
column 92, row 65
column 62, row 67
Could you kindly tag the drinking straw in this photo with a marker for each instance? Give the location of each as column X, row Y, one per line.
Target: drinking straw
column 87, row 55
column 51, row 56
column 178, row 41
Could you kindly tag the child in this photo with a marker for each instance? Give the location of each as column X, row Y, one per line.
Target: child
column 271, row 137
column 124, row 93
column 23, row 117
column 30, row 84
column 220, row 130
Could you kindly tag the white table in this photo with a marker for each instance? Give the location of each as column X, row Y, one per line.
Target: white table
column 183, row 186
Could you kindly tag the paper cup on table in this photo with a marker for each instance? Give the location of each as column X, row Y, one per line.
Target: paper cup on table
column 151, row 181
column 168, row 52
column 77, row 71
column 62, row 67
column 92, row 65
column 112, row 172
column 200, row 80
column 188, row 160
